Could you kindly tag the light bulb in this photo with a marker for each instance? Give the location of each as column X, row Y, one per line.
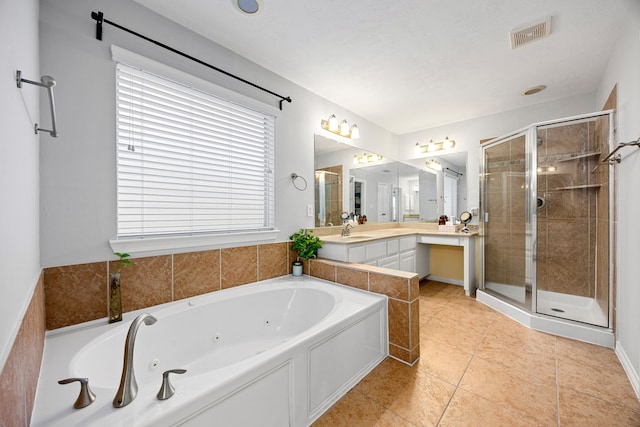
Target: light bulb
column 344, row 128
column 333, row 123
column 355, row 132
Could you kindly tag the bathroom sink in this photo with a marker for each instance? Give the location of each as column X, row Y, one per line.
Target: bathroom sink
column 358, row 237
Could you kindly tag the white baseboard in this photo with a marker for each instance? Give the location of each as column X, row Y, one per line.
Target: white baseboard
column 634, row 378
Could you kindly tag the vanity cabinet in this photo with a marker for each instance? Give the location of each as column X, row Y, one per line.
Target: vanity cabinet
column 395, row 253
column 410, row 253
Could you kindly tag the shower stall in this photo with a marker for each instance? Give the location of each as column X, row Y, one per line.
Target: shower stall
column 547, row 226
column 328, row 191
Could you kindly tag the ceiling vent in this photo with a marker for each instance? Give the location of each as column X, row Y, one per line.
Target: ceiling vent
column 530, row 33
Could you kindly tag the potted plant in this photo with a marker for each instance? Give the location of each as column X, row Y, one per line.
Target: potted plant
column 115, row 301
column 307, row 246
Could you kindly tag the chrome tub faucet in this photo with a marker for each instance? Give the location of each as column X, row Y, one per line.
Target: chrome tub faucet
column 128, row 385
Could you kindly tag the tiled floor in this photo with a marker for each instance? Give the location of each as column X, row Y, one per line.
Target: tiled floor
column 480, row 368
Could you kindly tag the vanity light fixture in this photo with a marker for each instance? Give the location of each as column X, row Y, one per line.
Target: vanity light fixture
column 434, row 165
column 366, row 158
column 342, row 129
column 431, row 146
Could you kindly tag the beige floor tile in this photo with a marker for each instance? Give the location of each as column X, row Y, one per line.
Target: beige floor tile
column 579, row 409
column 607, row 381
column 414, row 395
column 507, row 375
column 463, row 316
column 533, row 396
column 585, row 353
column 443, row 360
column 429, row 307
column 355, row 410
column 529, row 354
column 467, row 409
column 445, row 329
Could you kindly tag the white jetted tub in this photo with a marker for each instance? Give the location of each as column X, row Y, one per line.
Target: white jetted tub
column 273, row 353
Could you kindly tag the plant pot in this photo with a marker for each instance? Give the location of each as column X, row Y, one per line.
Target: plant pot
column 115, row 301
column 297, row 268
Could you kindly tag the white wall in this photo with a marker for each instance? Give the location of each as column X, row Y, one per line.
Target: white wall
column 468, row 134
column 78, row 198
column 624, row 69
column 19, row 215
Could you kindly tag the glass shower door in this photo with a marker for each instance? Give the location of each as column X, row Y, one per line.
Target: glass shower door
column 504, row 219
column 572, row 220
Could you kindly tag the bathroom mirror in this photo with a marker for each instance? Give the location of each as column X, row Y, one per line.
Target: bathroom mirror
column 368, row 187
column 385, row 190
column 443, row 188
column 465, row 218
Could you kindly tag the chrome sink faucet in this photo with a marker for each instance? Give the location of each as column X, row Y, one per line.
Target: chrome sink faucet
column 346, row 229
column 128, row 385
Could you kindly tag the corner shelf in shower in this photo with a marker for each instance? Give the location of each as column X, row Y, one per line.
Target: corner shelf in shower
column 568, row 157
column 578, row 187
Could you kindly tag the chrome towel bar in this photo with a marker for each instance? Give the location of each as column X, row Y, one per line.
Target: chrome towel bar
column 48, row 83
column 611, row 158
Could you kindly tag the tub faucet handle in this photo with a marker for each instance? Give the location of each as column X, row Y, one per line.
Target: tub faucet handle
column 86, row 396
column 166, row 389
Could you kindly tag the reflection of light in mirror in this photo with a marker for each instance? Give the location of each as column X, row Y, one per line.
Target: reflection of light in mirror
column 434, row 165
column 366, row 158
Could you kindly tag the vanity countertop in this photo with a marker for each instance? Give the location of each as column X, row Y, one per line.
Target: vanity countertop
column 358, row 236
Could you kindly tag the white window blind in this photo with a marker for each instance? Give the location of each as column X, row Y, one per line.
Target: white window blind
column 188, row 162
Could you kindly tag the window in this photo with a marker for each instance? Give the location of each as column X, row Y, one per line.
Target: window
column 189, row 163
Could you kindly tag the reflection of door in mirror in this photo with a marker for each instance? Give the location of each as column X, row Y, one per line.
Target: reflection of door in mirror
column 356, row 196
column 328, row 186
column 384, row 202
column 450, row 196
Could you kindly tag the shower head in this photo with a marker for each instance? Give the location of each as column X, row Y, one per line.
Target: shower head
column 48, row 81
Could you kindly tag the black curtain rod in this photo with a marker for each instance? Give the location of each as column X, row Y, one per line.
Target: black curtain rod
column 456, row 172
column 99, row 18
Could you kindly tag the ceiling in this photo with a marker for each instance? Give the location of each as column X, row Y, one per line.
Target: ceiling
column 408, row 65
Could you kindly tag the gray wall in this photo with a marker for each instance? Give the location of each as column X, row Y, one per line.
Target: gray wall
column 78, row 201
column 19, row 215
column 624, row 69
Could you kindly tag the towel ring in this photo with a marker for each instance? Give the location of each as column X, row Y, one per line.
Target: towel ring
column 295, row 176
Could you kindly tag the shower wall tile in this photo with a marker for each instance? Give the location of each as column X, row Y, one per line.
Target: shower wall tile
column 196, row 273
column 272, row 260
column 567, row 139
column 75, row 293
column 145, row 283
column 239, row 266
column 568, row 257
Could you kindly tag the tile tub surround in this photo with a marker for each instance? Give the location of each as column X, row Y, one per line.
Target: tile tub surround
column 19, row 376
column 402, row 289
column 78, row 293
